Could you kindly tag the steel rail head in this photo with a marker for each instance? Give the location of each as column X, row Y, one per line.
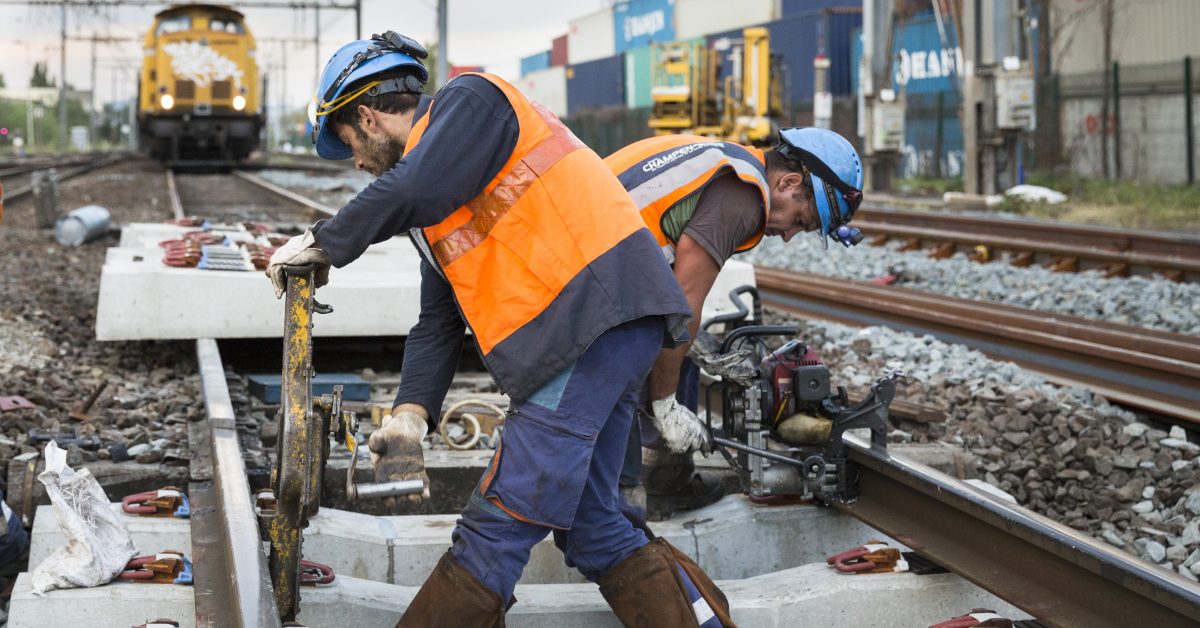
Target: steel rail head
column 323, row 210
column 1060, row 576
column 1159, row 372
column 1113, row 238
column 243, row 597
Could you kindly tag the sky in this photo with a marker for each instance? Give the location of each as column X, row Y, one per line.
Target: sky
column 491, row 33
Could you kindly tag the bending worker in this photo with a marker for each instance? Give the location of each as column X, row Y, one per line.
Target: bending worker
column 531, row 242
column 705, row 200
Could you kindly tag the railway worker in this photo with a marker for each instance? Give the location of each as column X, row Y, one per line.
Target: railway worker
column 530, row 241
column 705, row 200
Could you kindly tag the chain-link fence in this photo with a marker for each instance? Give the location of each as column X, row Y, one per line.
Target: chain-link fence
column 1149, row 131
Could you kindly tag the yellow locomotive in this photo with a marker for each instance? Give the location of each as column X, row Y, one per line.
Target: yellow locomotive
column 199, row 97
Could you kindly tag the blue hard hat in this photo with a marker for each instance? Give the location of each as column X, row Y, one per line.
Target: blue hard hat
column 835, row 169
column 392, row 56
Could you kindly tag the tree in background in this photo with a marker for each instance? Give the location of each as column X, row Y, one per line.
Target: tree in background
column 41, row 76
column 2, row 81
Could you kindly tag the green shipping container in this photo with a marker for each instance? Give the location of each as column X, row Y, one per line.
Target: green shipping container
column 637, row 78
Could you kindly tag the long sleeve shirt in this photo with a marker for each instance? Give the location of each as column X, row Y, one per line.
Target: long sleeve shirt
column 471, row 134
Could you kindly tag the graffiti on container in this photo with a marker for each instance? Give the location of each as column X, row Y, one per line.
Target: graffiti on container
column 1092, row 124
column 638, row 23
column 919, row 161
column 919, row 65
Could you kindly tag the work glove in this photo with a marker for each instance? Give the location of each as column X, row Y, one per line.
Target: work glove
column 396, row 450
column 298, row 251
column 681, row 429
column 706, row 353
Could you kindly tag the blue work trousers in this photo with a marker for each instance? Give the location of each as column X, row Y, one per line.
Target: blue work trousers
column 557, row 465
column 643, row 432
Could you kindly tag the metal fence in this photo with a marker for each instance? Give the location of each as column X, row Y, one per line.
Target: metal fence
column 1150, row 130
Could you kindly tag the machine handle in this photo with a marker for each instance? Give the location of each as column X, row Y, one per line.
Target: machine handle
column 370, row 490
column 377, row 490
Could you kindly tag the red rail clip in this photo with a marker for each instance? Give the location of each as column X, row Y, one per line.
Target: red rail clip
column 314, row 573
column 979, row 617
column 164, row 502
column 873, row 557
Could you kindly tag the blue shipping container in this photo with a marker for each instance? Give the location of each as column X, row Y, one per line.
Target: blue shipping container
column 804, row 7
column 596, row 84
column 639, row 23
column 926, row 69
column 798, row 39
column 533, row 63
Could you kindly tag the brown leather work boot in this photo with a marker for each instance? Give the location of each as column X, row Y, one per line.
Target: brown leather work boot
column 673, row 484
column 646, row 590
column 452, row 598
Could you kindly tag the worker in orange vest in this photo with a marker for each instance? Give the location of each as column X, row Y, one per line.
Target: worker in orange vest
column 706, row 200
column 531, row 243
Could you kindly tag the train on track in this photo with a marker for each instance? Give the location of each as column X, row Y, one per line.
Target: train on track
column 199, row 97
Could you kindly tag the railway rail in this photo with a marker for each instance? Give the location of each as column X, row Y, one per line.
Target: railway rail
column 1057, row 575
column 1060, row 246
column 65, row 169
column 1153, row 370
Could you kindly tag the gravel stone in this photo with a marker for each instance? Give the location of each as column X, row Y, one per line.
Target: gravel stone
column 1193, row 503
column 1142, row 301
column 1155, row 551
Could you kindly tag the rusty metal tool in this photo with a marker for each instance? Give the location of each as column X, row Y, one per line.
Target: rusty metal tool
column 306, row 427
column 80, row 411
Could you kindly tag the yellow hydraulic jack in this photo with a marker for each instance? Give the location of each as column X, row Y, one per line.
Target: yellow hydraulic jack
column 307, row 426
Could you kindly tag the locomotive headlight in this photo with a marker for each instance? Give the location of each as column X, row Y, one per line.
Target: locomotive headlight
column 166, row 101
column 239, row 102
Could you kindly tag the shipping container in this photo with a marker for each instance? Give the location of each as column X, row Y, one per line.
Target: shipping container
column 558, row 52
column 591, row 37
column 637, row 78
column 548, row 87
column 455, row 70
column 639, row 23
column 926, row 73
column 797, row 40
column 533, row 63
column 789, row 8
column 698, row 18
column 596, row 84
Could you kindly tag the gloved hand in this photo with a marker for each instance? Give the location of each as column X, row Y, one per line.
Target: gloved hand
column 681, row 429
column 396, row 450
column 706, row 353
column 298, row 251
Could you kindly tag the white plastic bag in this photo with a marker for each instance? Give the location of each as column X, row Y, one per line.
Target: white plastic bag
column 98, row 543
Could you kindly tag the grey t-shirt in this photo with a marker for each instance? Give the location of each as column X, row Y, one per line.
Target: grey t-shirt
column 723, row 215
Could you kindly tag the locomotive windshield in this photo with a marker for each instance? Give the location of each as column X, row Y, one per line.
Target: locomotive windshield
column 174, row 24
column 225, row 25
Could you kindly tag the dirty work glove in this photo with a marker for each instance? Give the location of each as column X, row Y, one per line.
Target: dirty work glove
column 681, row 429
column 298, row 251
column 396, row 450
column 706, row 353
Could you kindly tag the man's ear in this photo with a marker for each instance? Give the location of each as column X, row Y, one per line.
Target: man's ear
column 790, row 182
column 367, row 117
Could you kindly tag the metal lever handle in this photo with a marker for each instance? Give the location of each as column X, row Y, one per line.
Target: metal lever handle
column 371, row 490
column 377, row 490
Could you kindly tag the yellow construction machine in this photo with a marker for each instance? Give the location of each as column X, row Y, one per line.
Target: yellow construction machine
column 689, row 94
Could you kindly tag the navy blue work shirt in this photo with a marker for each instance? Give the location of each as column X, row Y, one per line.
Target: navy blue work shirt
column 471, row 134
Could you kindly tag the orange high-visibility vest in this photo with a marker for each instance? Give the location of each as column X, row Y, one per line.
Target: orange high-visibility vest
column 549, row 256
column 661, row 171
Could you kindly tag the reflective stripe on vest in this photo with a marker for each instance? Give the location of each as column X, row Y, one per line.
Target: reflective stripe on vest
column 661, row 171
column 509, row 252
